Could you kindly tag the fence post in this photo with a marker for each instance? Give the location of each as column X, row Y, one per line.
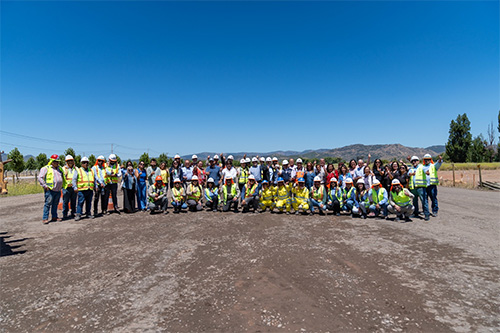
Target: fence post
column 480, row 177
column 453, row 168
column 474, row 180
column 13, row 180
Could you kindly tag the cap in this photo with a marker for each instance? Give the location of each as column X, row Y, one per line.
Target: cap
column 265, row 182
column 194, row 178
column 285, row 162
column 348, row 181
column 211, row 159
column 299, row 160
column 395, row 182
column 414, row 158
column 210, row 180
column 177, row 180
column 176, row 156
column 317, row 179
column 427, row 156
column 230, row 157
column 112, row 157
column 216, row 157
column 251, row 177
column 54, row 157
column 158, row 178
column 268, row 159
column 360, row 181
column 254, row 159
column 194, row 156
column 275, row 158
column 376, row 182
column 301, row 180
column 68, row 158
column 100, row 157
column 84, row 159
column 280, row 179
column 262, row 159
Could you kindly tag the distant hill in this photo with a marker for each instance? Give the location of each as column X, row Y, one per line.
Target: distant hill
column 385, row 152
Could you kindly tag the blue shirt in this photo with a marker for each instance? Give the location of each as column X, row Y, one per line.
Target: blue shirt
column 213, row 173
column 256, row 172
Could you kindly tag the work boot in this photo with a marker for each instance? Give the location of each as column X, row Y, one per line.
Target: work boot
column 77, row 217
column 426, row 218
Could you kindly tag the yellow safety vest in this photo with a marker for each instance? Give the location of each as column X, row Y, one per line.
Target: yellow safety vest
column 267, row 195
column 419, row 179
column 433, row 175
column 68, row 174
column 111, row 179
column 243, row 175
column 178, row 194
column 85, row 180
column 301, row 194
column 250, row 191
column 223, row 194
column 318, row 193
column 196, row 192
column 282, row 192
column 377, row 197
column 49, row 177
column 401, row 199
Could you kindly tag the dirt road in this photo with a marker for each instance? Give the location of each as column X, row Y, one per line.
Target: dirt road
column 252, row 272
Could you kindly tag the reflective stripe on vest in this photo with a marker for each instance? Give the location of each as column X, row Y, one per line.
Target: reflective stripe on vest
column 243, row 176
column 68, row 174
column 177, row 193
column 338, row 193
column 401, row 199
column 250, row 191
column 266, row 195
column 350, row 193
column 418, row 180
column 302, row 194
column 377, row 197
column 318, row 193
column 111, row 179
column 85, row 180
column 282, row 193
column 160, row 191
column 49, row 177
column 195, row 192
column 433, row 175
column 224, row 192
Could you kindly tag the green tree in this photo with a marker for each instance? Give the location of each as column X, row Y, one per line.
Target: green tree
column 459, row 140
column 41, row 161
column 30, row 164
column 162, row 158
column 17, row 163
column 91, row 160
column 145, row 158
column 78, row 159
column 477, row 150
column 118, row 160
column 69, row 151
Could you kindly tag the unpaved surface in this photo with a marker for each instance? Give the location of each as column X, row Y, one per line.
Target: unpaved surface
column 226, row 272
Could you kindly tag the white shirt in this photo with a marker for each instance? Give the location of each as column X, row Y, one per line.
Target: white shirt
column 226, row 173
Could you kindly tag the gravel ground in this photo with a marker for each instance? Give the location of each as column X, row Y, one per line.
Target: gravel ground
column 226, row 272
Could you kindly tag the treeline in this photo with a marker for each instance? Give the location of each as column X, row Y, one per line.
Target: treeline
column 461, row 147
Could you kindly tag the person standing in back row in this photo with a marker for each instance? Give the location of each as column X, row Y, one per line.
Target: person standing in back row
column 84, row 183
column 418, row 185
column 113, row 173
column 52, row 179
column 99, row 170
column 430, row 168
column 69, row 194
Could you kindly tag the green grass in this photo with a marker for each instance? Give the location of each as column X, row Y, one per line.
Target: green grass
column 470, row 166
column 23, row 188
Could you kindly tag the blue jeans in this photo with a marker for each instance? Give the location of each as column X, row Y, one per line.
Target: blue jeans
column 69, row 199
column 373, row 209
column 315, row 203
column 51, row 202
column 84, row 197
column 349, row 204
column 420, row 192
column 142, row 202
column 432, row 192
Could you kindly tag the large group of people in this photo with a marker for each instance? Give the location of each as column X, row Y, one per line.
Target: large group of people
column 257, row 185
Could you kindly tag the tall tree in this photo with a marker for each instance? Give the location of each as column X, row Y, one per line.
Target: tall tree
column 78, row 158
column 459, row 140
column 69, row 151
column 477, row 150
column 91, row 160
column 17, row 163
column 30, row 164
column 41, row 161
column 145, row 158
column 162, row 158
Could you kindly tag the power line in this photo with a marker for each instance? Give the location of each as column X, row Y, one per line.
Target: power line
column 49, row 140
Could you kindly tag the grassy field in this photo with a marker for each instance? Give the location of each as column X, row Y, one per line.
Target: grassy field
column 470, row 166
column 23, row 188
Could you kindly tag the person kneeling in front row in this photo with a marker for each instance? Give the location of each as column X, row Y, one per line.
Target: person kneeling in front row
column 211, row 195
column 194, row 193
column 229, row 195
column 400, row 202
column 178, row 196
column 157, row 194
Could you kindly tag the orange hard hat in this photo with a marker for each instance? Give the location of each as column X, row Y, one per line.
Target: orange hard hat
column 158, row 178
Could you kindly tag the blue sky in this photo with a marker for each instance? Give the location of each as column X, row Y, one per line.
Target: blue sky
column 184, row 77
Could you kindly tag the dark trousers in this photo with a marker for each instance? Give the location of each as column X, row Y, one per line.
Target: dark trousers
column 334, row 206
column 230, row 203
column 112, row 188
column 213, row 203
column 69, row 199
column 432, row 192
column 128, row 200
column 249, row 203
column 194, row 206
column 100, row 193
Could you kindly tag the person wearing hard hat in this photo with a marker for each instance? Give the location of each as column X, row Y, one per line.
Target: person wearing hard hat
column 153, row 171
column 418, row 187
column 52, row 179
column 69, row 194
column 217, row 162
column 275, row 167
column 175, row 171
column 250, row 195
column 256, row 170
column 361, row 199
column 299, row 171
column 378, row 199
column 430, row 168
column 84, row 182
column 318, row 196
column 178, row 159
column 400, row 201
column 157, row 195
column 194, row 160
column 113, row 173
column 211, row 195
column 285, row 172
column 99, row 170
column 351, row 205
column 268, row 170
column 230, row 172
column 229, row 194
column 194, row 193
column 264, row 172
column 213, row 171
column 300, row 201
column 266, row 196
column 178, row 196
column 242, row 174
column 335, row 200
column 283, row 196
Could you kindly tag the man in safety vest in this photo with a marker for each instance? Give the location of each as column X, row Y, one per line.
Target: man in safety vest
column 300, row 201
column 99, row 170
column 194, row 193
column 113, row 173
column 335, row 200
column 418, row 187
column 299, row 171
column 178, row 196
column 430, row 169
column 242, row 174
column 318, row 196
column 83, row 183
column 69, row 194
column 266, row 196
column 283, row 196
column 400, row 201
column 378, row 198
column 211, row 195
column 51, row 178
column 229, row 194
column 250, row 195
column 157, row 194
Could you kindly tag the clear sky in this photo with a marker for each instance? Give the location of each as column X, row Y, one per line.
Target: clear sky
column 185, row 77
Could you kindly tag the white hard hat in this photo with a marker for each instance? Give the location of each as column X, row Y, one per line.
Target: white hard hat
column 360, row 181
column 216, row 157
column 414, row 158
column 228, row 178
column 251, row 177
column 348, row 181
column 68, row 158
column 230, row 157
column 396, row 182
column 285, row 162
column 210, row 180
column 376, row 182
column 194, row 156
column 194, row 178
column 112, row 157
column 247, row 160
column 242, row 161
column 268, row 159
column 275, row 158
column 262, row 159
column 333, row 179
column 254, row 159
column 84, row 159
column 100, row 157
column 176, row 156
column 426, row 156
column 299, row 160
column 177, row 180
column 317, row 179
